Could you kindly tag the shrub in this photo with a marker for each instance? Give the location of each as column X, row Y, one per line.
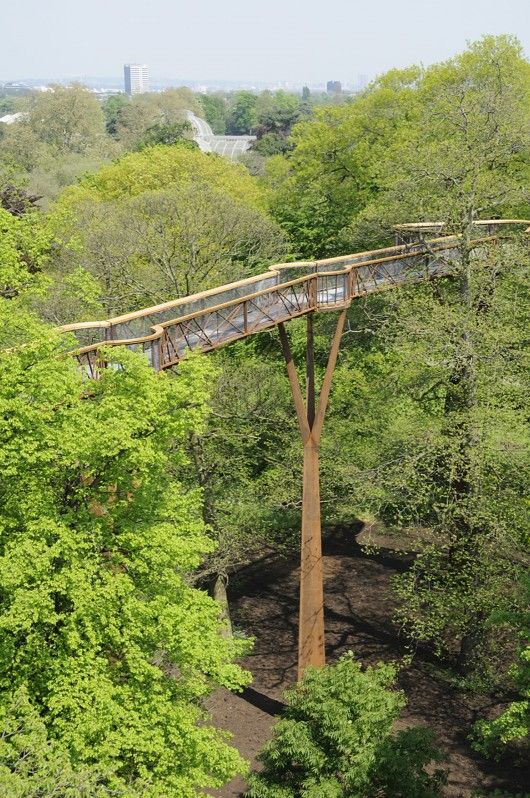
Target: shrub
column 335, row 740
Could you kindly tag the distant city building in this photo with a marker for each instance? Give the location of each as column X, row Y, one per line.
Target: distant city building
column 136, row 78
column 334, row 87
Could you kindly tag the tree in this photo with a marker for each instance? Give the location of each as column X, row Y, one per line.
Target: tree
column 462, row 156
column 20, row 147
column 154, row 226
column 276, row 115
column 160, row 167
column 68, row 118
column 335, row 740
column 7, row 105
column 133, row 119
column 106, row 651
column 462, row 152
column 331, row 171
column 24, row 247
column 279, row 113
column 215, row 109
column 451, row 453
column 169, row 133
column 144, row 111
column 440, row 455
column 35, row 164
column 242, row 117
column 249, row 493
column 512, row 725
column 111, row 110
column 33, row 765
column 165, row 244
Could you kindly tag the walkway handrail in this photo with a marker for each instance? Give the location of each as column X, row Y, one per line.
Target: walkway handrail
column 218, row 316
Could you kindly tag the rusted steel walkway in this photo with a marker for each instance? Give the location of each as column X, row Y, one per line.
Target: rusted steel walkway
column 217, row 317
column 214, row 318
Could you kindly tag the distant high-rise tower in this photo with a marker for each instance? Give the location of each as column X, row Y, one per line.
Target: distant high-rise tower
column 334, row 87
column 136, row 78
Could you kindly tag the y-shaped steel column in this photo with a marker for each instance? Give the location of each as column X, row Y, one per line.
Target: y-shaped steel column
column 311, row 648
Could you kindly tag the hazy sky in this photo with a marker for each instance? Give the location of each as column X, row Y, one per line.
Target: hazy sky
column 295, row 40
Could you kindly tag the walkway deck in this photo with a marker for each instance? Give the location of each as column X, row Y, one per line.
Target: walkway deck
column 221, row 315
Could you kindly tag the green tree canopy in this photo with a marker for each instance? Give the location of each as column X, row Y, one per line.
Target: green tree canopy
column 167, row 133
column 457, row 129
column 331, row 172
column 24, row 246
column 68, row 118
column 242, row 117
column 105, row 649
column 335, row 740
column 111, row 110
column 215, row 110
column 166, row 244
column 144, row 111
column 163, row 167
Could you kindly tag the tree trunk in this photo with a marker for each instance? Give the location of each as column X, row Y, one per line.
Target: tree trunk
column 218, row 592
column 470, row 643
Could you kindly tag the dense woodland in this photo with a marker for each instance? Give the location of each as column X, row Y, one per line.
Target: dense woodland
column 123, row 501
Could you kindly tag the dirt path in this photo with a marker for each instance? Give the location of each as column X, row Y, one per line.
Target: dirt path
column 264, row 601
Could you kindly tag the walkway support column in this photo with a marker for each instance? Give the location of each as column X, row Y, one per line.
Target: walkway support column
column 311, row 643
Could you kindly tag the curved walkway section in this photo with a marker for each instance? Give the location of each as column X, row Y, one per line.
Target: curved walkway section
column 214, row 318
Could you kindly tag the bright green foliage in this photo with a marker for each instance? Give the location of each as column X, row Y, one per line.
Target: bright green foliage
column 463, row 152
column 332, row 171
column 428, row 141
column 34, row 766
column 164, row 244
column 160, row 224
column 99, row 626
column 513, row 725
column 24, row 246
column 162, row 167
column 335, row 740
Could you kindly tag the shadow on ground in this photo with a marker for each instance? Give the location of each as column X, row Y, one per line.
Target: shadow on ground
column 358, row 611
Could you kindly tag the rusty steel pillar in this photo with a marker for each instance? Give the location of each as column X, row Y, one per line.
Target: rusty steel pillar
column 311, row 643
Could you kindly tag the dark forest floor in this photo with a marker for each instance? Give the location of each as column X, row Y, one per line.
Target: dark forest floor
column 358, row 607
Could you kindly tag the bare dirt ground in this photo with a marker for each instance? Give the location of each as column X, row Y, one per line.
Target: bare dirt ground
column 264, row 602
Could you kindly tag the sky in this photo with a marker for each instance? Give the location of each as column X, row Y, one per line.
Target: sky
column 301, row 41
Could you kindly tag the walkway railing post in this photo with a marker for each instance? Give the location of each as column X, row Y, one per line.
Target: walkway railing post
column 311, row 642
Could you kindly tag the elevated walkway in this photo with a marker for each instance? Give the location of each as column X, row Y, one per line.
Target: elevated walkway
column 214, row 318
